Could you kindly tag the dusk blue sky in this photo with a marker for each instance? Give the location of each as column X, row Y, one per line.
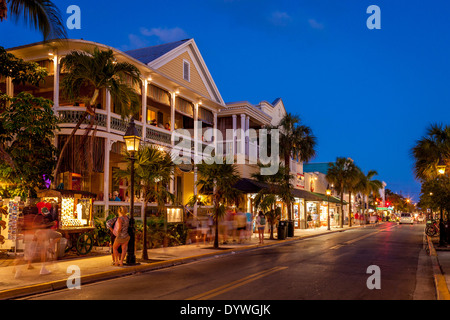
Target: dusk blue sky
column 366, row 94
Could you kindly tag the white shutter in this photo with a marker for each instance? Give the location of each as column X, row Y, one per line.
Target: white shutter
column 186, row 70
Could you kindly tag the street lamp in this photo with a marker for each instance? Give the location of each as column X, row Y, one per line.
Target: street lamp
column 132, row 141
column 328, row 198
column 442, row 235
column 441, row 167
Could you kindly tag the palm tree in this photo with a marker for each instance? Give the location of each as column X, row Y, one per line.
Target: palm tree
column 430, row 150
column 153, row 171
column 342, row 174
column 220, row 178
column 298, row 141
column 353, row 187
column 367, row 186
column 39, row 14
column 100, row 71
column 278, row 187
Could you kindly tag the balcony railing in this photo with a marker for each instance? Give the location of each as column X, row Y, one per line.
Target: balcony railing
column 158, row 136
column 72, row 116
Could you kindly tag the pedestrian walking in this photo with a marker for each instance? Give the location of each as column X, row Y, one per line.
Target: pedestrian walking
column 27, row 227
column 261, row 225
column 122, row 236
column 241, row 220
column 46, row 236
column 249, row 228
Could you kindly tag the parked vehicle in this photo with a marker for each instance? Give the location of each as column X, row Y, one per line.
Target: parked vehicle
column 406, row 218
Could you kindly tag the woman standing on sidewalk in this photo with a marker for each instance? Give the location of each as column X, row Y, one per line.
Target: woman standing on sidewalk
column 261, row 225
column 122, row 236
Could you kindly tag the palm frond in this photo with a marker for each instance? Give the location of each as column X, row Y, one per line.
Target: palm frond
column 42, row 15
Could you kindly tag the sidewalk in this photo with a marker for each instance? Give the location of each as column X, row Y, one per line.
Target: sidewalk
column 440, row 259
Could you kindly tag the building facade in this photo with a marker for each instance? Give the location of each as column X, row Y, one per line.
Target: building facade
column 177, row 91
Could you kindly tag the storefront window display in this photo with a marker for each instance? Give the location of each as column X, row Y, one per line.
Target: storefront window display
column 323, row 213
column 312, row 214
column 74, row 208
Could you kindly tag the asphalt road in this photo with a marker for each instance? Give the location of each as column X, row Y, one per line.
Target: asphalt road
column 386, row 262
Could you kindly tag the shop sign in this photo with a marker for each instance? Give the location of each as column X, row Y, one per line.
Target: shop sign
column 301, row 181
column 385, row 208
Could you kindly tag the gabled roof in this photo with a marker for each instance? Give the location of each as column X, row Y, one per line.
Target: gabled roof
column 148, row 54
column 160, row 56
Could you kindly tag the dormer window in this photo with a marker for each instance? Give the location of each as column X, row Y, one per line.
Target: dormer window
column 186, row 70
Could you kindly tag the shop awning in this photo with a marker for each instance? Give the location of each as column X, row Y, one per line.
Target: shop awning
column 250, row 186
column 253, row 186
column 303, row 194
column 331, row 199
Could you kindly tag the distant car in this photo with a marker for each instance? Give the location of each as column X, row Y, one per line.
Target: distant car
column 406, row 218
column 420, row 219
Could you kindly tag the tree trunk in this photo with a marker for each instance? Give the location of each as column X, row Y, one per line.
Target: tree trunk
column 341, row 218
column 58, row 164
column 350, row 209
column 88, row 111
column 216, row 238
column 144, row 233
column 287, row 160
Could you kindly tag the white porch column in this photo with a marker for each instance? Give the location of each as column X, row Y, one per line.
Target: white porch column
column 234, row 133
column 241, row 153
column 9, row 89
column 172, row 129
column 196, row 155
column 108, row 144
column 172, row 110
column 197, row 134
column 247, row 137
column 108, row 110
column 56, row 66
column 215, row 131
column 144, row 91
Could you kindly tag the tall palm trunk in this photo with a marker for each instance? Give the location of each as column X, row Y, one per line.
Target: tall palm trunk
column 349, row 208
column 89, row 111
column 216, row 221
column 287, row 164
column 66, row 144
column 144, row 232
column 341, row 217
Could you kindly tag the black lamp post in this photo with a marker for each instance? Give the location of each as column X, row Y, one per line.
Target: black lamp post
column 441, row 166
column 132, row 141
column 328, row 213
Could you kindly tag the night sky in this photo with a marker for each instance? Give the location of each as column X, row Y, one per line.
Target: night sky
column 366, row 94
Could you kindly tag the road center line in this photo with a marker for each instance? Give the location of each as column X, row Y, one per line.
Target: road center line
column 360, row 238
column 235, row 284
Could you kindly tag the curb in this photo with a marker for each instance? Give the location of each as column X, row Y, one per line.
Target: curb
column 100, row 276
column 442, row 292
